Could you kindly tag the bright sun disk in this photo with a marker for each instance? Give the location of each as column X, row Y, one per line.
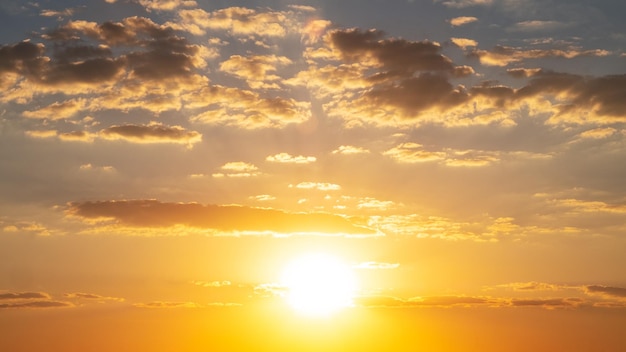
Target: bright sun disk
column 319, row 284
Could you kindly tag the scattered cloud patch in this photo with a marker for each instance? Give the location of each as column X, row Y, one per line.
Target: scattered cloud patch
column 461, row 21
column 286, row 158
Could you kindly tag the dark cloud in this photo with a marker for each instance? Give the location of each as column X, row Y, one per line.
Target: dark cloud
column 416, row 94
column 74, row 52
column 392, row 54
column 23, row 295
column 93, row 71
column 36, row 304
column 91, row 296
column 24, row 58
column 151, row 133
column 152, row 213
column 549, row 303
column 606, row 95
column 606, row 290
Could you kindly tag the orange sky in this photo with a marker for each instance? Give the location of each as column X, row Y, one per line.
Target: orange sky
column 163, row 162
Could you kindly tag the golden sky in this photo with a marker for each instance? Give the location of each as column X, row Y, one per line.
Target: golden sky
column 432, row 175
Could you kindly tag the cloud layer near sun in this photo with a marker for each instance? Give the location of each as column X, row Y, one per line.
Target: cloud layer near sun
column 150, row 213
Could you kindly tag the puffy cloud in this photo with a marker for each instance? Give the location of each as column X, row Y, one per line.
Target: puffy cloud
column 461, row 21
column 395, row 55
column 57, row 13
column 151, row 133
column 258, row 71
column 245, row 109
column 463, row 42
column 236, row 20
column 151, row 213
column 286, row 158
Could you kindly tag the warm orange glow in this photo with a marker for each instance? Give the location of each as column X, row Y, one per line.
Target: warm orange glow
column 319, row 284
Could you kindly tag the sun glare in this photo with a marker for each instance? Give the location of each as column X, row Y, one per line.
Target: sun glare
column 319, row 284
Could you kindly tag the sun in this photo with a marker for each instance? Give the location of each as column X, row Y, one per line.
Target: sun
column 319, row 284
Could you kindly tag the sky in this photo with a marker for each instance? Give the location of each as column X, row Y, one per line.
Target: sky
column 163, row 162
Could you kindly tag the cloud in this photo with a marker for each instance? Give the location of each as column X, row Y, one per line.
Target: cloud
column 24, row 295
column 245, row 109
column 151, row 213
column 263, row 197
column 505, row 55
column 237, row 169
column 286, row 158
column 460, row 4
column 395, row 55
column 606, row 291
column 413, row 153
column 30, row 300
column 224, row 283
column 376, row 265
column 431, row 301
column 463, row 42
column 161, row 304
column 350, row 150
column 166, row 5
column 320, row 186
column 57, row 13
column 258, row 71
column 237, row 21
column 584, row 206
column 598, row 133
column 461, row 21
column 26, row 227
column 548, row 303
column 151, row 133
column 37, row 304
column 57, row 110
column 531, row 286
column 523, row 72
column 91, row 296
column 536, row 25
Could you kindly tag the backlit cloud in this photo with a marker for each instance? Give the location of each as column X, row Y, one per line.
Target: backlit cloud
column 287, row 158
column 237, row 169
column 463, row 20
column 350, row 150
column 151, row 213
column 151, row 133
